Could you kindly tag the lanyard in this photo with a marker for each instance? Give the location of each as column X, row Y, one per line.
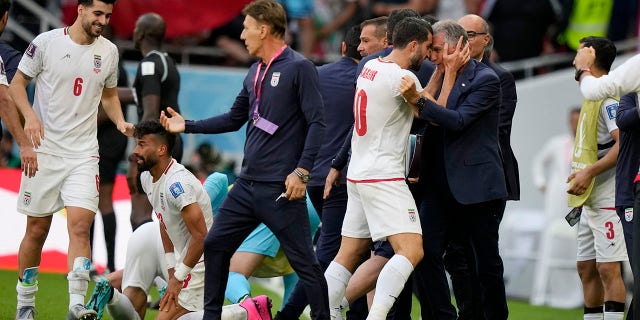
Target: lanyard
column 258, row 92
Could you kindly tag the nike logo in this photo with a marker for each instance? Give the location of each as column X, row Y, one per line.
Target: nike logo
column 66, row 56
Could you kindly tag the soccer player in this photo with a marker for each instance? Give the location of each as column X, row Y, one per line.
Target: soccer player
column 74, row 69
column 156, row 86
column 377, row 173
column 282, row 108
column 601, row 245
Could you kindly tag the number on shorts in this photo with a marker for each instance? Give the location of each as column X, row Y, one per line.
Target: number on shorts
column 186, row 281
column 77, row 87
column 610, row 233
column 360, row 112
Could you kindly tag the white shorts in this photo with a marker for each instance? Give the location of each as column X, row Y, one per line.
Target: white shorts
column 60, row 182
column 380, row 209
column 192, row 294
column 145, row 258
column 600, row 236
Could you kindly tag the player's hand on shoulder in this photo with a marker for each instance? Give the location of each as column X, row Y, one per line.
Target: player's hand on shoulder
column 34, row 130
column 173, row 122
column 408, row 89
column 28, row 161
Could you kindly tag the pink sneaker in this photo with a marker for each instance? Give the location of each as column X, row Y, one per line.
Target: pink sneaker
column 258, row 308
column 263, row 303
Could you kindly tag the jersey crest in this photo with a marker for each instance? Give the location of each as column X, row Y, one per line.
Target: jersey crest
column 176, row 189
column 97, row 63
column 275, row 79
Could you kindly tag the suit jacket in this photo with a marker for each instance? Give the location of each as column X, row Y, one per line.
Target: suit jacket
column 507, row 109
column 469, row 122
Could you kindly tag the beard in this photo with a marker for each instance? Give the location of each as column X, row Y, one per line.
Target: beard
column 144, row 164
column 89, row 29
column 416, row 62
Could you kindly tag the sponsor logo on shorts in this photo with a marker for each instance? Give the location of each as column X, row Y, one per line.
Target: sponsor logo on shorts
column 628, row 214
column 275, row 79
column 412, row 215
column 176, row 189
column 31, row 50
column 26, row 199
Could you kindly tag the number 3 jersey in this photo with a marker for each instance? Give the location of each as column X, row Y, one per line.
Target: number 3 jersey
column 176, row 189
column 382, row 123
column 69, row 80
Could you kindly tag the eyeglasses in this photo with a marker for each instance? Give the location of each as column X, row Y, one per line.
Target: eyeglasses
column 473, row 34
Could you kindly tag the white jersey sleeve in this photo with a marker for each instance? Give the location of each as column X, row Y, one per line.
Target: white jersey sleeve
column 32, row 61
column 180, row 192
column 608, row 110
column 112, row 78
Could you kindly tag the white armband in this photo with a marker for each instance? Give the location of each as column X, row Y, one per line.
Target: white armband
column 170, row 258
column 182, row 271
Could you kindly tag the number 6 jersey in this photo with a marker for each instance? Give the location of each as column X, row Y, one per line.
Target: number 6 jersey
column 69, row 80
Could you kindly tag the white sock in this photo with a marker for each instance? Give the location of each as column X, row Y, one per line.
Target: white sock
column 613, row 315
column 337, row 279
column 593, row 316
column 120, row 308
column 231, row 312
column 159, row 282
column 389, row 285
column 78, row 280
column 26, row 295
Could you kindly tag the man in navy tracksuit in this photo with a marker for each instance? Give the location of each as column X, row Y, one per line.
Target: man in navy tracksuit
column 628, row 122
column 337, row 88
column 280, row 100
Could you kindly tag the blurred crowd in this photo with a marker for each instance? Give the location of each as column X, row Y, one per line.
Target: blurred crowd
column 522, row 29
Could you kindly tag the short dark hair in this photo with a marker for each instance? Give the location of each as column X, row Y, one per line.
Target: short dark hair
column 155, row 127
column 380, row 24
column 5, row 5
column 605, row 51
column 352, row 41
column 89, row 3
column 411, row 29
column 395, row 17
column 268, row 12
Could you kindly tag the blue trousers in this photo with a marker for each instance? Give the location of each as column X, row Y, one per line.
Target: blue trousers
column 246, row 205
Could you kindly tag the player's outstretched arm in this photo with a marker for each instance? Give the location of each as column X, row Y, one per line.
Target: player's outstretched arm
column 111, row 105
column 33, row 128
column 174, row 122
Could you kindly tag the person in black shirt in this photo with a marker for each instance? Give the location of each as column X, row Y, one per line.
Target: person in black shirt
column 156, row 85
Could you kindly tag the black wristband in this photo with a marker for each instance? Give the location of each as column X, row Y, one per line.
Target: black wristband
column 579, row 73
column 422, row 101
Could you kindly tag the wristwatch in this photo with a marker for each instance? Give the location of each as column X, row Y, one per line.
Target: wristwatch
column 303, row 177
column 422, row 101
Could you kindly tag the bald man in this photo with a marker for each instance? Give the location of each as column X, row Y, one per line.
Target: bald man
column 156, row 87
column 460, row 256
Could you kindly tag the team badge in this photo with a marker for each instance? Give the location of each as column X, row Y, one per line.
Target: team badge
column 176, row 189
column 275, row 79
column 412, row 215
column 628, row 214
column 97, row 63
column 611, row 111
column 162, row 206
column 31, row 50
column 26, row 199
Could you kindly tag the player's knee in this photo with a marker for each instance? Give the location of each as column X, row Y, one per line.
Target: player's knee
column 586, row 269
column 609, row 271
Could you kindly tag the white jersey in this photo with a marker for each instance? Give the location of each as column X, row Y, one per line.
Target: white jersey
column 603, row 193
column 3, row 74
column 69, row 81
column 382, row 123
column 176, row 189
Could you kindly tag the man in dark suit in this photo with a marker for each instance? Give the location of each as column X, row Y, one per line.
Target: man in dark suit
column 462, row 174
column 459, row 257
